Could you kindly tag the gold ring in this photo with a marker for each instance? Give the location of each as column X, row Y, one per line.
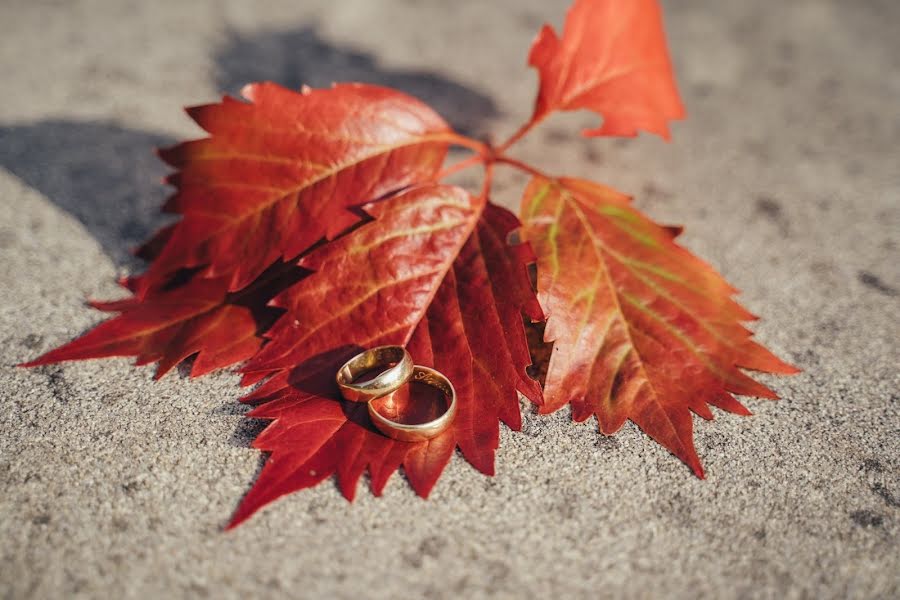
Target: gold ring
column 399, row 368
column 420, row 431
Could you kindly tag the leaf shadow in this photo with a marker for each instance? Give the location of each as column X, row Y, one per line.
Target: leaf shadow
column 102, row 173
column 106, row 175
column 294, row 57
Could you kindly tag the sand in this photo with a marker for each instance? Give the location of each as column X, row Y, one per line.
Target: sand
column 785, row 175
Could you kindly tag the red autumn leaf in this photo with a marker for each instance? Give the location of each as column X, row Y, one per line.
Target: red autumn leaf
column 360, row 297
column 200, row 318
column 472, row 331
column 175, row 325
column 611, row 59
column 277, row 174
column 642, row 329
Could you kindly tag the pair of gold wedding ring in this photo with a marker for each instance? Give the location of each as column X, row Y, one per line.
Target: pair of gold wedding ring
column 397, row 369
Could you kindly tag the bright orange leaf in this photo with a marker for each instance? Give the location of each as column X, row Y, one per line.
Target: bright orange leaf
column 642, row 329
column 611, row 59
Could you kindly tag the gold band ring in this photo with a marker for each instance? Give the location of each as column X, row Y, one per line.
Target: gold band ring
column 420, row 431
column 386, row 382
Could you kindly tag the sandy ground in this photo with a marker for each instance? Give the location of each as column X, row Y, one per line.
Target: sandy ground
column 786, row 176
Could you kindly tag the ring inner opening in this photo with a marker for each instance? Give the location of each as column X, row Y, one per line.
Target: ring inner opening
column 413, row 404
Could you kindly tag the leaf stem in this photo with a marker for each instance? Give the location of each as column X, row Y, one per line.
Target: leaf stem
column 466, row 142
column 518, row 135
column 459, row 166
column 488, row 156
column 488, row 180
column 517, row 164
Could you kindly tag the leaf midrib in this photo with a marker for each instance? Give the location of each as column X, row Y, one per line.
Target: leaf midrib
column 597, row 246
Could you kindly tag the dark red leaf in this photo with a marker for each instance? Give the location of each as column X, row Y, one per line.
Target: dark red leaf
column 472, row 331
column 170, row 328
column 199, row 318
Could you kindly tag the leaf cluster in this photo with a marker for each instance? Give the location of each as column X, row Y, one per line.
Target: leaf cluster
column 314, row 223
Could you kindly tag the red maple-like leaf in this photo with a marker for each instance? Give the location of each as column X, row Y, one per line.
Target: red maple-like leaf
column 199, row 318
column 472, row 331
column 358, row 292
column 278, row 173
column 611, row 59
column 642, row 329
